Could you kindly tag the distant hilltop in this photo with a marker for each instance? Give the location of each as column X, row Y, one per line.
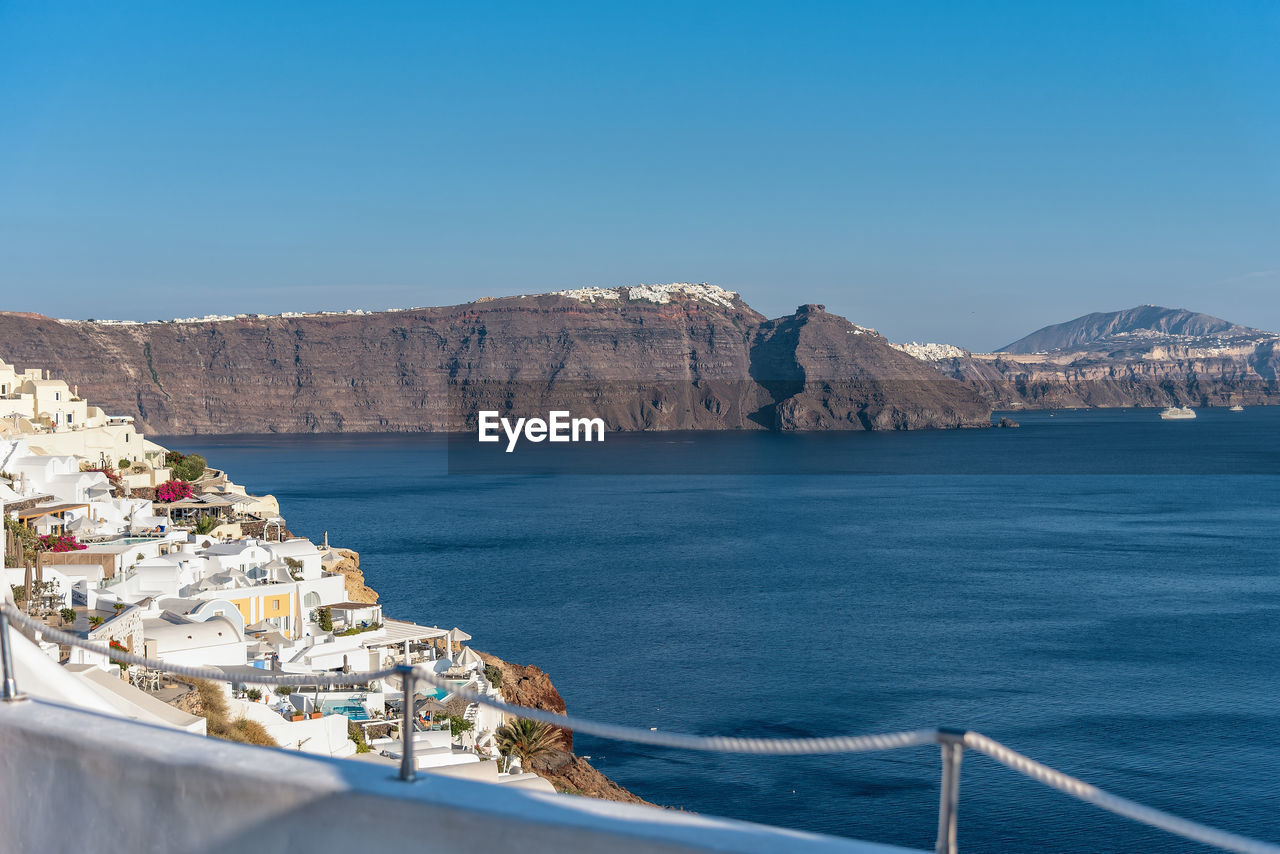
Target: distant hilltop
column 677, row 356
column 657, row 294
column 1143, row 356
column 1145, row 323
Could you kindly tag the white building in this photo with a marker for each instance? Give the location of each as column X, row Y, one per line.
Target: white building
column 203, row 637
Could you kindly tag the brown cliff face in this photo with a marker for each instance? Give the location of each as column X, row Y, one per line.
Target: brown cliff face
column 1163, row 377
column 353, row 576
column 684, row 364
column 525, row 685
column 827, row 374
column 1143, row 356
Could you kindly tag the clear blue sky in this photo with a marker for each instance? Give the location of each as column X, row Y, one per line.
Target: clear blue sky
column 960, row 172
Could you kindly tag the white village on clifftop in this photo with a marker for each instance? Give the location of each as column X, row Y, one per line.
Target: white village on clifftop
column 118, row 540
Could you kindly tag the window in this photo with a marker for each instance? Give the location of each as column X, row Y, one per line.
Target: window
column 57, row 395
column 311, row 600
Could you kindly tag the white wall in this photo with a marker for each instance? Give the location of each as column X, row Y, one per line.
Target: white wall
column 207, row 656
column 331, row 589
column 144, row 789
column 326, row 736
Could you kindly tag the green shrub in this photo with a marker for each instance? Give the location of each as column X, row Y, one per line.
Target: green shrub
column 125, row 464
column 324, row 618
column 355, row 732
column 188, row 467
column 205, row 524
column 68, row 616
column 355, row 630
column 21, row 533
column 253, row 694
column 458, row 725
column 493, row 673
column 284, row 690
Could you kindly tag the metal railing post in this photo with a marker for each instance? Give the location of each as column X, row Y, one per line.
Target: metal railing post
column 951, row 741
column 408, row 767
column 9, row 691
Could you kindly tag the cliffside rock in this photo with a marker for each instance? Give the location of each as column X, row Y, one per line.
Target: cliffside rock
column 826, row 373
column 575, row 776
column 526, row 685
column 1144, row 356
column 349, row 566
column 665, row 358
column 1164, row 377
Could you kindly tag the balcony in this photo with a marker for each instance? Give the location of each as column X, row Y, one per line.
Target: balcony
column 145, row 788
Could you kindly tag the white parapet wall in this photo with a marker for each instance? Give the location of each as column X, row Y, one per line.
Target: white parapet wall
column 73, row 778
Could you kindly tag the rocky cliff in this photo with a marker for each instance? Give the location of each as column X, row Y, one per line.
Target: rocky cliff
column 1144, row 356
column 1164, row 378
column 670, row 357
column 528, row 686
column 353, row 576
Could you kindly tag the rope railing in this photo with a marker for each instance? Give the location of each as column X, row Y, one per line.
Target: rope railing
column 952, row 742
column 1133, row 810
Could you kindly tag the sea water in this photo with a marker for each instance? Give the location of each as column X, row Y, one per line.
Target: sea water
column 1098, row 590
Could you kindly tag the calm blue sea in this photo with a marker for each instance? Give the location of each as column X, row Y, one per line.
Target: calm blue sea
column 1121, row 626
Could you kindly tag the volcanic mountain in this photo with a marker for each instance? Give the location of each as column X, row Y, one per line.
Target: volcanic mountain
column 1145, row 324
column 1144, row 356
column 667, row 357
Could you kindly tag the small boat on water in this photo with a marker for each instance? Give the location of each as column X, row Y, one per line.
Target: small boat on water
column 1178, row 413
column 1236, row 408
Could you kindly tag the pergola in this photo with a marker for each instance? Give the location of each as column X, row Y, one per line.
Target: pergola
column 400, row 636
column 197, row 506
column 48, row 510
column 47, row 514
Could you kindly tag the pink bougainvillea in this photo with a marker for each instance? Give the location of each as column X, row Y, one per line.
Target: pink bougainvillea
column 61, row 543
column 173, row 490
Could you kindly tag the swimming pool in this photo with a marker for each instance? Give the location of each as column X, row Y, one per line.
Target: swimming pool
column 441, row 693
column 353, row 710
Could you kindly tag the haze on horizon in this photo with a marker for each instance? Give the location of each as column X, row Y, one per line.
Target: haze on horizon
column 962, row 173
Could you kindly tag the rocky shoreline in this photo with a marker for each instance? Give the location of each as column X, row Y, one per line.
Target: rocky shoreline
column 526, row 685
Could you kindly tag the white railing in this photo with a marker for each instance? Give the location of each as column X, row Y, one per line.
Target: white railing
column 952, row 742
column 119, row 578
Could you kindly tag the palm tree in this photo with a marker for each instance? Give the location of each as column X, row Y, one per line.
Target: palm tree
column 527, row 740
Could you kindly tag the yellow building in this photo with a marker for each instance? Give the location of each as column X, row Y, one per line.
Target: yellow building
column 275, row 604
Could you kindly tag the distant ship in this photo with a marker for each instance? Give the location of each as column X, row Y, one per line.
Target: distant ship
column 1236, row 408
column 1178, row 413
